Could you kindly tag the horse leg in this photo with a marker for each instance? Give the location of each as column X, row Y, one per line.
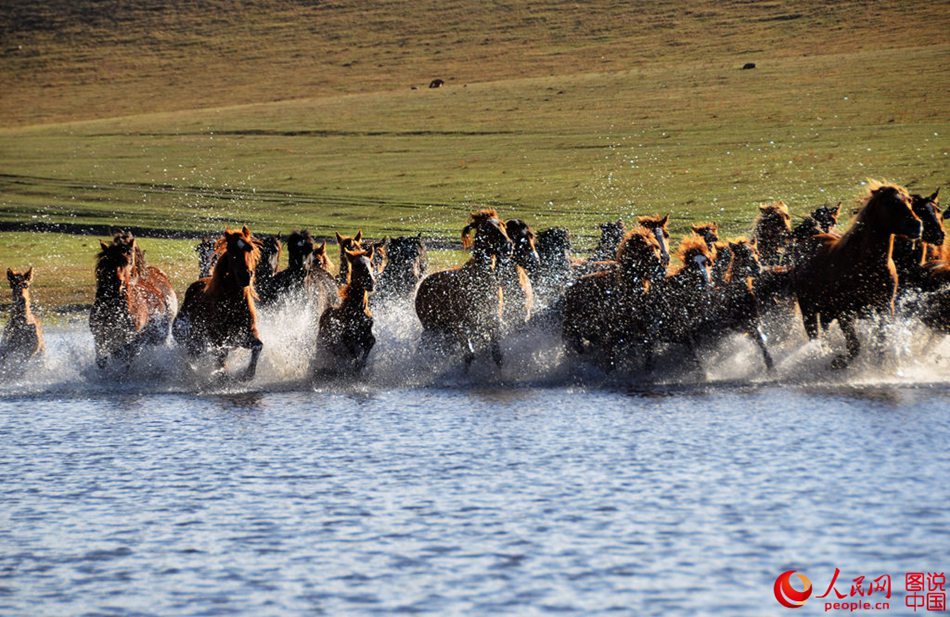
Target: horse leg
column 468, row 353
column 851, row 339
column 496, row 354
column 810, row 320
column 255, row 345
column 759, row 339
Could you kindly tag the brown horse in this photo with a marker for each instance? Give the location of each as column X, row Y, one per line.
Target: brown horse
column 680, row 304
column 347, row 243
column 267, row 266
column 772, row 231
column 804, row 242
column 23, row 335
column 611, row 234
column 406, row 263
column 134, row 305
column 912, row 256
column 657, row 226
column 514, row 274
column 734, row 304
column 555, row 256
column 464, row 304
column 853, row 275
column 206, row 256
column 345, row 338
column 306, row 280
column 218, row 313
column 603, row 311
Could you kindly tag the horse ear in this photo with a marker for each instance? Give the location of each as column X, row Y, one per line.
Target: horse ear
column 29, row 275
column 339, row 238
column 466, row 240
column 10, row 276
column 103, row 245
column 359, row 236
column 695, row 228
column 322, row 248
column 664, row 220
column 372, row 251
column 934, row 196
column 246, row 231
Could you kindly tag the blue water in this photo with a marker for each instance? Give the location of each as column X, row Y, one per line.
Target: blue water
column 462, row 495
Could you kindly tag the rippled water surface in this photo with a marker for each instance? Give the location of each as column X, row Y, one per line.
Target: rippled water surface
column 462, row 495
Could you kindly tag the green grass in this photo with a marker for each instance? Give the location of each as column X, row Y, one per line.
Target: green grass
column 569, row 116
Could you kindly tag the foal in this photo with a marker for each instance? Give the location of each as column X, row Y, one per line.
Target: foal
column 23, row 335
column 345, row 338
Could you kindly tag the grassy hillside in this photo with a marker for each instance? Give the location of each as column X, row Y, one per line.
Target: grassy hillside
column 282, row 114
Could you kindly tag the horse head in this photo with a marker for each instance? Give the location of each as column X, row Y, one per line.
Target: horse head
column 554, row 248
column 826, row 217
column 696, row 259
column 380, row 254
column 745, row 260
column 238, row 253
column 525, row 252
column 657, row 226
column 490, row 238
column 887, row 208
column 408, row 253
column 640, row 256
column 928, row 211
column 320, row 259
column 20, row 283
column 115, row 262
column 362, row 275
column 270, row 256
column 709, row 232
column 300, row 250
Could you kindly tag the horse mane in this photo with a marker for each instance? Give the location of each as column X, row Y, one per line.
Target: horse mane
column 691, row 246
column 476, row 219
column 700, row 227
column 637, row 243
column 653, row 221
column 773, row 212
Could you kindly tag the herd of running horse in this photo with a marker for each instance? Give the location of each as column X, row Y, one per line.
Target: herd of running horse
column 624, row 304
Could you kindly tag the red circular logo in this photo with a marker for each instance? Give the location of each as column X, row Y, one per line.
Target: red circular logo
column 788, row 595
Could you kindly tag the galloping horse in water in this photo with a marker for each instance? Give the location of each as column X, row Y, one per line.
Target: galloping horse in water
column 853, row 275
column 346, row 336
column 773, row 232
column 465, row 303
column 605, row 310
column 406, row 263
column 514, row 271
column 218, row 312
column 23, row 335
column 134, row 304
column 735, row 306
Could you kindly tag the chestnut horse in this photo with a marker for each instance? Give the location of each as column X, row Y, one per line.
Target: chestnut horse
column 406, row 265
column 604, row 310
column 218, row 312
column 657, row 226
column 853, row 275
column 514, row 274
column 772, row 231
column 134, row 305
column 347, row 243
column 464, row 304
column 23, row 335
column 345, row 338
column 735, row 307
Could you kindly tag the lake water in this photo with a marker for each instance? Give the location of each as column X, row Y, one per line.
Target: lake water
column 548, row 488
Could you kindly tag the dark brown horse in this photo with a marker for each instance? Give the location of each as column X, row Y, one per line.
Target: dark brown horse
column 604, row 311
column 804, row 242
column 347, row 243
column 406, row 264
column 853, row 275
column 218, row 313
column 772, row 231
column 735, row 307
column 912, row 256
column 611, row 234
column 23, row 335
column 514, row 274
column 134, row 305
column 306, row 281
column 267, row 266
column 464, row 304
column 555, row 255
column 345, row 338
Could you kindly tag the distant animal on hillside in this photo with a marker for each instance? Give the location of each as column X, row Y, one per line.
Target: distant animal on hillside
column 134, row 304
column 853, row 275
column 436, row 83
column 218, row 313
column 748, row 65
column 22, row 338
